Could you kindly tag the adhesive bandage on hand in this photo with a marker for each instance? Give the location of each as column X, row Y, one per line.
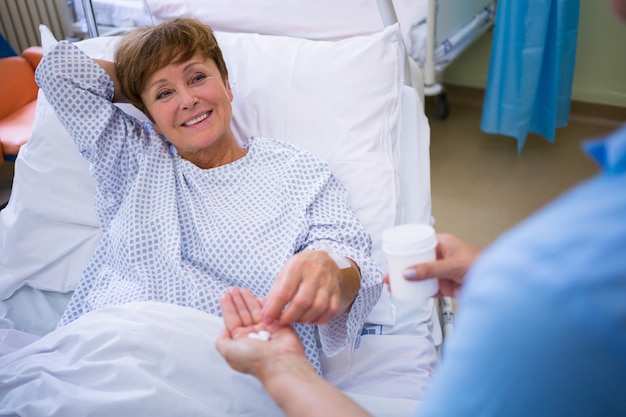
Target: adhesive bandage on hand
column 342, row 262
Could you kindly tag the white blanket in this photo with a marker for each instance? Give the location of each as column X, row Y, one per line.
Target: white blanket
column 139, row 359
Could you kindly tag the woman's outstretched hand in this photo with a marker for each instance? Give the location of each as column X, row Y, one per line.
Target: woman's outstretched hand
column 278, row 363
column 242, row 316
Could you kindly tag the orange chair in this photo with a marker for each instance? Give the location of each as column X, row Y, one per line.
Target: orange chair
column 19, row 98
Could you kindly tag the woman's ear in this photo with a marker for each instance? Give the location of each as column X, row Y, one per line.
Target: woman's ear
column 228, row 89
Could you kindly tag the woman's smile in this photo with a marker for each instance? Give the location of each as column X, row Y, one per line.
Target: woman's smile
column 197, row 119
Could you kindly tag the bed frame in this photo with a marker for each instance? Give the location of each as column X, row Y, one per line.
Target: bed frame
column 444, row 19
column 447, row 17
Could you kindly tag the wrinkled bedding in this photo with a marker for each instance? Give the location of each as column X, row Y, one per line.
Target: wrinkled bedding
column 139, row 359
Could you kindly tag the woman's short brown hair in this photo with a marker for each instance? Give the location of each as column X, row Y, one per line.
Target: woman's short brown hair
column 144, row 51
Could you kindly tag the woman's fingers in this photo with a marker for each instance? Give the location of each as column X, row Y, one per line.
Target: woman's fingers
column 245, row 316
column 253, row 305
column 230, row 314
column 281, row 294
column 310, row 303
column 240, row 308
column 306, row 290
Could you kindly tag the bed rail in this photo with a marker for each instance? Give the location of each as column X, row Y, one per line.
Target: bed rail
column 449, row 16
column 413, row 76
column 389, row 17
column 90, row 18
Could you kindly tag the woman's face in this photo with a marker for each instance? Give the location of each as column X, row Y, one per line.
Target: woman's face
column 191, row 105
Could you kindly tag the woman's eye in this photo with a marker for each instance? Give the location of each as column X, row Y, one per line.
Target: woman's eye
column 197, row 78
column 162, row 94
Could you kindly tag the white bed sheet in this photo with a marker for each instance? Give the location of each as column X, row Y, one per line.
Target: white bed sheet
column 140, row 359
column 32, row 311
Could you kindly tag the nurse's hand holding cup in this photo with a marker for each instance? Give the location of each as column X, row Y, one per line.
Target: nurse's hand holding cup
column 407, row 245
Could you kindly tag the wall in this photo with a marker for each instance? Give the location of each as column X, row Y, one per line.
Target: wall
column 600, row 74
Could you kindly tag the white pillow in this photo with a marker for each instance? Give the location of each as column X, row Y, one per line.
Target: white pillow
column 338, row 99
column 319, row 19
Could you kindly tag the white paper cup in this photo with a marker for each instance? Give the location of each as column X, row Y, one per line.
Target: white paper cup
column 407, row 245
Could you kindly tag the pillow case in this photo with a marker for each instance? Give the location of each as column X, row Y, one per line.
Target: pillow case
column 338, row 99
column 320, row 19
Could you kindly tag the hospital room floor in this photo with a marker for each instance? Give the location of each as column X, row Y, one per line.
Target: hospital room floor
column 480, row 185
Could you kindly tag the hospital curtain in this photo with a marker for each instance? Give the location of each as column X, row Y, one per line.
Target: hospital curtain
column 531, row 68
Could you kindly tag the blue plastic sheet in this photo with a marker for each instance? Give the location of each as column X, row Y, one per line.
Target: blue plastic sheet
column 531, row 69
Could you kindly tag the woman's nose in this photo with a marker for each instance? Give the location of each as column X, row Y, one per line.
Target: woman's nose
column 187, row 99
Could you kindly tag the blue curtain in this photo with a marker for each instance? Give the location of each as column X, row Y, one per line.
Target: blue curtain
column 531, row 69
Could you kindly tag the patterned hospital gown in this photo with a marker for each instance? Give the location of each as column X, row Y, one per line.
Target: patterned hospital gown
column 175, row 233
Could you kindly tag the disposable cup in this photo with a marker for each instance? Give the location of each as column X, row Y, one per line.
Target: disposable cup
column 407, row 245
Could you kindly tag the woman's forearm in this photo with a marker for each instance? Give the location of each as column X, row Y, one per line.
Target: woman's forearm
column 109, row 67
column 349, row 283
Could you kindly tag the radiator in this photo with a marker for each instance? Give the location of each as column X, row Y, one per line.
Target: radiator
column 20, row 20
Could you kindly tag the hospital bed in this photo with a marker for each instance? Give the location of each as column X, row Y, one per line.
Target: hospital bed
column 362, row 111
column 435, row 32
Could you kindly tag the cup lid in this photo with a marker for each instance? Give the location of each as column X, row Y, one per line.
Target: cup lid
column 409, row 238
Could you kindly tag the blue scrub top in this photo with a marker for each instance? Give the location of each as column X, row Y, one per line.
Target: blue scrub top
column 541, row 329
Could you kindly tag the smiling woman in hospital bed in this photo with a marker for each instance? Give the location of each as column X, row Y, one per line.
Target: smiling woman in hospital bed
column 147, row 358
column 188, row 209
column 542, row 326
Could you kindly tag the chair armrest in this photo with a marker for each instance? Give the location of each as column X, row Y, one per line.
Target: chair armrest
column 22, row 88
column 33, row 55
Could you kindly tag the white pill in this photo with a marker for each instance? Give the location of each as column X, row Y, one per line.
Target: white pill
column 262, row 335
